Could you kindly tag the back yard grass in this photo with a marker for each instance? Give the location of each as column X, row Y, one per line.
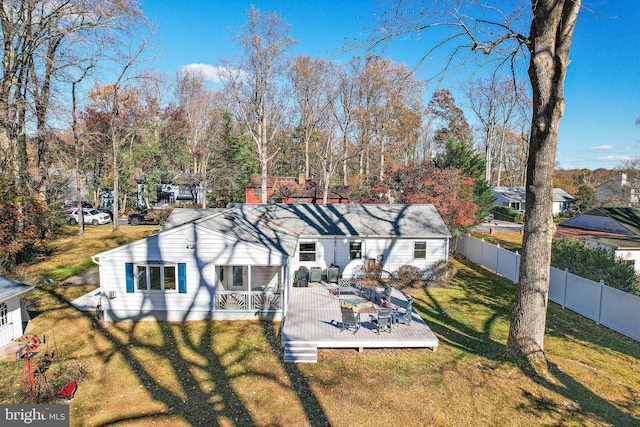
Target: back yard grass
column 232, row 373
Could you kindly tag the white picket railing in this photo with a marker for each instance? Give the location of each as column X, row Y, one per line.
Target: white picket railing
column 605, row 305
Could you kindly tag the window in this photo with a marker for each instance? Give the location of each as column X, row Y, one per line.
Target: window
column 307, row 251
column 4, row 314
column 420, row 250
column 156, row 277
column 355, row 250
column 256, row 192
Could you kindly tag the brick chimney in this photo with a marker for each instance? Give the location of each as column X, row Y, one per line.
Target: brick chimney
column 301, row 179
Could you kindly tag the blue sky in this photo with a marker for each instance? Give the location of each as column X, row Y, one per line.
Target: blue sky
column 602, row 88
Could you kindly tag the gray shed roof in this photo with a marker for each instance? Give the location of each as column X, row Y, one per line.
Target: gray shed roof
column 350, row 219
column 11, row 288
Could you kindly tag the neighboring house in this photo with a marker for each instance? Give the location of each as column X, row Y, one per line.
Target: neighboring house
column 515, row 197
column 289, row 190
column 11, row 309
column 241, row 263
column 618, row 191
column 182, row 189
column 616, row 229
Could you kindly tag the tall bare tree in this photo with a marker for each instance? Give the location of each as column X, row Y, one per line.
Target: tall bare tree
column 41, row 38
column 487, row 29
column 203, row 115
column 307, row 77
column 113, row 100
column 493, row 100
column 255, row 82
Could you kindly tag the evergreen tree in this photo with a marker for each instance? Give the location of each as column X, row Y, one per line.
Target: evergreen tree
column 585, row 199
column 242, row 156
column 459, row 155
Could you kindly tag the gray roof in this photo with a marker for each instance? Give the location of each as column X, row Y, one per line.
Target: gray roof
column 350, row 219
column 181, row 216
column 612, row 220
column 252, row 229
column 518, row 194
column 11, row 288
column 279, row 226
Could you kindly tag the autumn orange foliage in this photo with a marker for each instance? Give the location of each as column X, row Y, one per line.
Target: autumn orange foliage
column 23, row 222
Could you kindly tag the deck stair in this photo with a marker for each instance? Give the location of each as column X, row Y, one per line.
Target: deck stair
column 300, row 352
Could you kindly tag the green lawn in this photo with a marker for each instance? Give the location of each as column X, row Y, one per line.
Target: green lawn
column 232, row 373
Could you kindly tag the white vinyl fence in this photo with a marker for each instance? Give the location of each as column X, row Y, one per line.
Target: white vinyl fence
column 605, row 305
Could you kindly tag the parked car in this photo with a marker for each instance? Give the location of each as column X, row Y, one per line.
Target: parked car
column 108, row 211
column 89, row 216
column 74, row 204
column 146, row 216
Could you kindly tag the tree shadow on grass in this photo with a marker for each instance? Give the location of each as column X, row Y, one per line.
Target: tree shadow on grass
column 204, row 393
column 192, row 403
column 312, row 407
column 495, row 295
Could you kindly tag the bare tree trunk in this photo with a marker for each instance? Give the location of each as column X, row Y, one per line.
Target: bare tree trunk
column 488, row 155
column 76, row 152
column 550, row 39
column 500, row 150
column 381, row 175
column 345, row 181
column 115, row 141
column 306, row 155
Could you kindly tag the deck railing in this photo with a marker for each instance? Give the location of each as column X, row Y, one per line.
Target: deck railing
column 248, row 300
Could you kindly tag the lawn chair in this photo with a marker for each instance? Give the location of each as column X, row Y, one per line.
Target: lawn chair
column 349, row 319
column 404, row 315
column 384, row 322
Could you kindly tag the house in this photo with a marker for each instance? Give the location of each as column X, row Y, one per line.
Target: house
column 618, row 191
column 289, row 190
column 11, row 309
column 616, row 229
column 181, row 189
column 515, row 197
column 241, row 263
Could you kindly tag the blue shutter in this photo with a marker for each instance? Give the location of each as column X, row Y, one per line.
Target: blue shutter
column 182, row 278
column 129, row 270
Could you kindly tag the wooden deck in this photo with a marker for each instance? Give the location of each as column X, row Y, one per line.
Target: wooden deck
column 313, row 321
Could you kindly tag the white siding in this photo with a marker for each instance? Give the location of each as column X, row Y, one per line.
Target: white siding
column 13, row 329
column 395, row 253
column 630, row 255
column 198, row 301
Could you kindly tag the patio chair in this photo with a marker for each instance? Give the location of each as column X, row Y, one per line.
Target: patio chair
column 404, row 315
column 388, row 289
column 384, row 321
column 349, row 319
